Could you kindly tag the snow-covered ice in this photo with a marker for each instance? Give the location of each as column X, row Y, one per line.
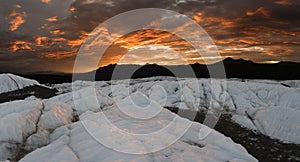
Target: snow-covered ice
column 48, row 128
column 233, row 95
column 277, row 122
column 10, row 82
column 27, row 124
column 93, row 139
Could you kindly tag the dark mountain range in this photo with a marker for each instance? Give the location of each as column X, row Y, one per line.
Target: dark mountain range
column 234, row 69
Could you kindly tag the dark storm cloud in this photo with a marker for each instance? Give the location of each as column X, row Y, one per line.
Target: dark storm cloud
column 52, row 31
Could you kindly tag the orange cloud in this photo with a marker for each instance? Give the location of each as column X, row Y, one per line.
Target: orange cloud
column 72, row 9
column 16, row 18
column 40, row 40
column 284, row 2
column 147, row 37
column 73, row 43
column 260, row 11
column 52, row 19
column 225, row 41
column 206, row 20
column 46, row 1
column 279, row 50
column 79, row 41
column 198, row 17
column 142, row 40
column 57, row 32
column 17, row 6
column 20, row 45
column 231, row 39
column 61, row 54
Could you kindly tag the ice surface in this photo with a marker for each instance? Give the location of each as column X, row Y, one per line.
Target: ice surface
column 232, row 95
column 28, row 123
column 277, row 122
column 10, row 82
column 49, row 128
column 92, row 140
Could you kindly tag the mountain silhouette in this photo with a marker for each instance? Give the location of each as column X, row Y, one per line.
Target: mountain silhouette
column 240, row 68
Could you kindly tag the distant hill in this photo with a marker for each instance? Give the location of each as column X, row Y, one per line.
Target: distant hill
column 234, row 69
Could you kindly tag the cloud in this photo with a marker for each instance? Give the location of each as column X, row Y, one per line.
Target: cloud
column 284, row 2
column 259, row 12
column 147, row 41
column 52, row 19
column 41, row 40
column 46, row 1
column 16, row 18
column 255, row 29
column 57, row 32
column 72, row 9
column 155, row 54
column 20, row 45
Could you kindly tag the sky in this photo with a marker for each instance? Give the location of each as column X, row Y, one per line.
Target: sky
column 46, row 35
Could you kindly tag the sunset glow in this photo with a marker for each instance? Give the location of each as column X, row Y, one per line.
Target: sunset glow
column 51, row 32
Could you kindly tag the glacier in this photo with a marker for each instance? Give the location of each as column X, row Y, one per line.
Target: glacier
column 238, row 97
column 71, row 125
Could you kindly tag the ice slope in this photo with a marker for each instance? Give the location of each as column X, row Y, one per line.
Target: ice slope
column 25, row 125
column 84, row 100
column 277, row 122
column 235, row 96
column 75, row 144
column 10, row 82
column 48, row 130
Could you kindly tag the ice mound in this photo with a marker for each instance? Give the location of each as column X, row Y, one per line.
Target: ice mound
column 26, row 125
column 277, row 122
column 10, row 82
column 92, row 140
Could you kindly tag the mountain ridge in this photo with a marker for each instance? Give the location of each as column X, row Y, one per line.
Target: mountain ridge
column 234, row 68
